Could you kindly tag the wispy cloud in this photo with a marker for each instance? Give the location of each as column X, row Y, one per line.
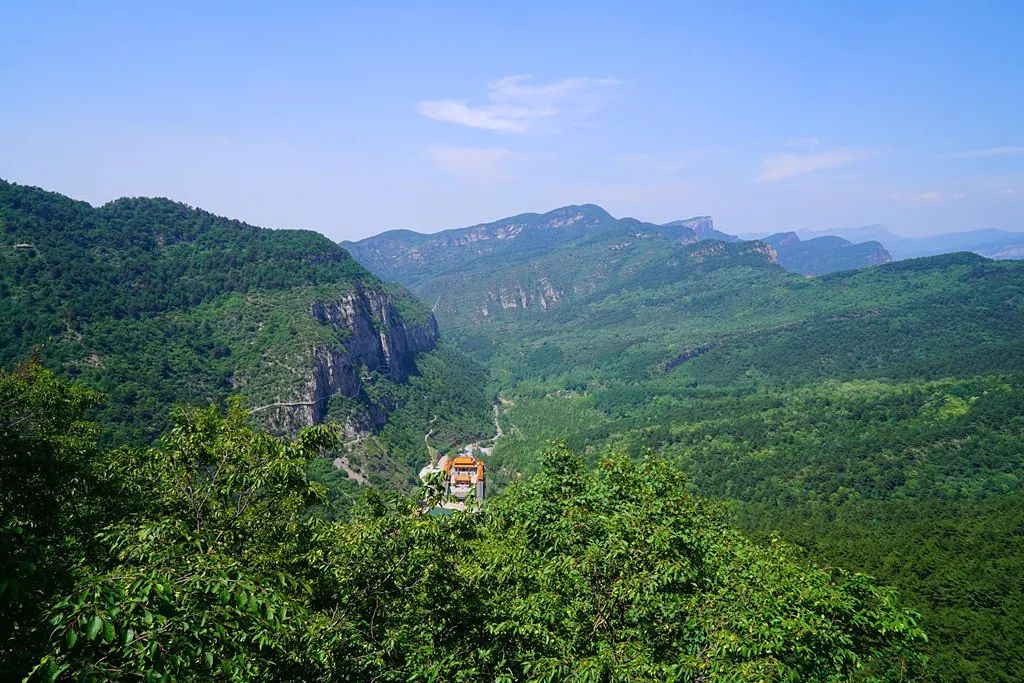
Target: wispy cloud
column 930, row 197
column 782, row 166
column 516, row 103
column 475, row 164
column 991, row 152
column 1005, row 192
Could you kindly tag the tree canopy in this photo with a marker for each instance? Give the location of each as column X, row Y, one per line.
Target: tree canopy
column 207, row 563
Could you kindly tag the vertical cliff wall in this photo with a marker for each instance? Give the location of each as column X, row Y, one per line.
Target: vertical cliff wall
column 374, row 338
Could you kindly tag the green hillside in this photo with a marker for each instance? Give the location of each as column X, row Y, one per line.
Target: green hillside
column 407, row 257
column 198, row 559
column 155, row 304
column 808, row 403
column 634, row 255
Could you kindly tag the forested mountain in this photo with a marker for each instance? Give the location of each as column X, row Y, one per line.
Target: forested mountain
column 600, row 265
column 416, row 259
column 825, row 254
column 997, row 244
column 202, row 558
column 407, row 257
column 155, row 304
column 831, row 410
column 689, row 381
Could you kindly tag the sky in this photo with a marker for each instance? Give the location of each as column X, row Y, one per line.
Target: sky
column 355, row 118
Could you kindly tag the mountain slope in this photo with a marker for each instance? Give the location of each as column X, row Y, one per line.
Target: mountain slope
column 418, row 260
column 155, row 304
column 883, row 391
column 407, row 257
column 634, row 255
column 825, row 254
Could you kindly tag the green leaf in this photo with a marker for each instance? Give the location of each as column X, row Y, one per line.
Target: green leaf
column 94, row 627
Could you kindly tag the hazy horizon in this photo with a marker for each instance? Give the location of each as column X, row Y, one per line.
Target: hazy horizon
column 352, row 121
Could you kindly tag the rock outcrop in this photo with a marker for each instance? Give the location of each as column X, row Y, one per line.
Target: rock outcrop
column 376, row 339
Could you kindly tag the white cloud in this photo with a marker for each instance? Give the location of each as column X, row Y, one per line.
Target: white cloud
column 991, row 152
column 1006, row 192
column 782, row 166
column 475, row 164
column 516, row 104
column 499, row 118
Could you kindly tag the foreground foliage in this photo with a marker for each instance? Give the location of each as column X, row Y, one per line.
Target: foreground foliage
column 842, row 413
column 47, row 495
column 208, row 566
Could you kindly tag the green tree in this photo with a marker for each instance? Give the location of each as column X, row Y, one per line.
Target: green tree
column 203, row 576
column 46, row 454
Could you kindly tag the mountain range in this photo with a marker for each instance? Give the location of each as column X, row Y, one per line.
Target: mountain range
column 871, row 413
column 997, row 244
column 408, row 257
column 868, row 414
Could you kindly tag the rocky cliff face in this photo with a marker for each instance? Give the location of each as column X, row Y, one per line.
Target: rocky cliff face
column 704, row 226
column 539, row 294
column 376, row 339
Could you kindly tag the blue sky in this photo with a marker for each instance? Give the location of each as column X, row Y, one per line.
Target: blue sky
column 351, row 119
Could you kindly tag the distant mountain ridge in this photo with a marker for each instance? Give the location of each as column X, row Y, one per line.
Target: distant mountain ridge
column 581, row 271
column 411, row 258
column 407, row 257
column 991, row 243
column 704, row 227
column 825, row 254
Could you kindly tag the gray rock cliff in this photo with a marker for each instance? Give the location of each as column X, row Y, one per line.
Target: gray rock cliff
column 376, row 339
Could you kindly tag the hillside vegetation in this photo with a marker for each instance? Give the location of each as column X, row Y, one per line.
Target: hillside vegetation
column 830, row 410
column 413, row 258
column 156, row 304
column 198, row 559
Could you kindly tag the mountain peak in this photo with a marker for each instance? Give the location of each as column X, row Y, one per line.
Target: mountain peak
column 704, row 226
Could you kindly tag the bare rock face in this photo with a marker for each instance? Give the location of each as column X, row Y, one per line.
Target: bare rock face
column 879, row 256
column 704, row 226
column 767, row 250
column 377, row 339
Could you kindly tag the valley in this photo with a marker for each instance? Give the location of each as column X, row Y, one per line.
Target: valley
column 464, row 342
column 868, row 415
column 808, row 405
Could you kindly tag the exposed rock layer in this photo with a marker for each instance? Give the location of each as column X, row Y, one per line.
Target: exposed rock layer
column 376, row 339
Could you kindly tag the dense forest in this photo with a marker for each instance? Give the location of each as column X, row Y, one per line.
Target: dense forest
column 874, row 417
column 704, row 458
column 203, row 557
column 154, row 304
